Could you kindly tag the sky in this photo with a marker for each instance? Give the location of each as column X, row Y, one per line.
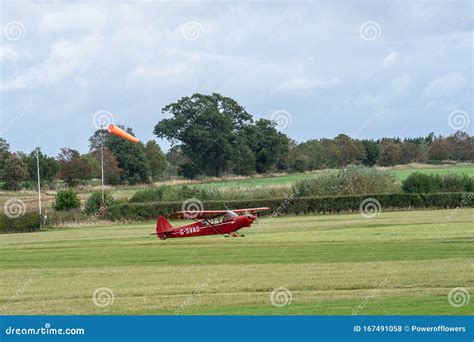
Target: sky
column 368, row 69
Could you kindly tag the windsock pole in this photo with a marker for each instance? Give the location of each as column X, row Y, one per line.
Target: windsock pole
column 39, row 187
column 115, row 130
column 102, row 165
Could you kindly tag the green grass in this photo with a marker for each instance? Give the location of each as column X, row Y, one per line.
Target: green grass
column 264, row 181
column 404, row 173
column 287, row 180
column 396, row 263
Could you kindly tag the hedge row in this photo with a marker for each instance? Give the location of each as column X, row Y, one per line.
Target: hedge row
column 301, row 205
column 28, row 222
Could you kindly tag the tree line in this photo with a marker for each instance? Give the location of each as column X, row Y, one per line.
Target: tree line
column 124, row 163
column 212, row 136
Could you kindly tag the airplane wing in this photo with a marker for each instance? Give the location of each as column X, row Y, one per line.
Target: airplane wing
column 207, row 214
column 250, row 210
column 197, row 215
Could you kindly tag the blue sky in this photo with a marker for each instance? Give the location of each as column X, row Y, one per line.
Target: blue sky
column 368, row 69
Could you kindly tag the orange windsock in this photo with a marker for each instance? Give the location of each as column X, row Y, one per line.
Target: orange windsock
column 121, row 133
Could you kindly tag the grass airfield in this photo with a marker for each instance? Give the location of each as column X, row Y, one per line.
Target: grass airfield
column 396, row 263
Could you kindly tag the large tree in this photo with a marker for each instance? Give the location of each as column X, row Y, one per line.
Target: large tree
column 330, row 152
column 156, row 159
column 296, row 160
column 112, row 169
column 314, row 151
column 243, row 160
column 371, row 152
column 13, row 172
column 440, row 150
column 267, row 143
column 207, row 128
column 462, row 145
column 130, row 156
column 72, row 167
column 48, row 166
column 4, row 152
column 410, row 152
column 349, row 151
column 390, row 153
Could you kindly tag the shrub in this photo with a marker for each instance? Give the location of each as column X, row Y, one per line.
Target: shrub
column 429, row 183
column 350, row 181
column 58, row 218
column 28, row 222
column 418, row 182
column 148, row 195
column 65, row 200
column 181, row 193
column 455, row 183
column 94, row 201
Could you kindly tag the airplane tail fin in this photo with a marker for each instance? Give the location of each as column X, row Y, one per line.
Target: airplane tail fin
column 162, row 227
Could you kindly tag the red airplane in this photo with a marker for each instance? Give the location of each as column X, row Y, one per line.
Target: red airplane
column 208, row 222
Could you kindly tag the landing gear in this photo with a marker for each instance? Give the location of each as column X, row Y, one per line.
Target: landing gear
column 235, row 234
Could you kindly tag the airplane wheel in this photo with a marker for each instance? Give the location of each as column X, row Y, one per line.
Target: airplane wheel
column 242, row 235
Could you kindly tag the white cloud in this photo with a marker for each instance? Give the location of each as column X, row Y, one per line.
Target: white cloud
column 401, row 84
column 8, row 53
column 446, row 85
column 158, row 71
column 64, row 58
column 369, row 100
column 393, row 91
column 390, row 59
column 73, row 18
column 305, row 83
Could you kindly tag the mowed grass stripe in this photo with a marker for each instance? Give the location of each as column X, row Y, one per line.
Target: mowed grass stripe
column 101, row 255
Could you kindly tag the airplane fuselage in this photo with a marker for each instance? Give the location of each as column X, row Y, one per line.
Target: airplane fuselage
column 204, row 227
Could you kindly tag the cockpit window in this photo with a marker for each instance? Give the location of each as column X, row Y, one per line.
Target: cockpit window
column 229, row 216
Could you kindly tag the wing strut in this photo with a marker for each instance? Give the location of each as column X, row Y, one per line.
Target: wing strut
column 213, row 227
